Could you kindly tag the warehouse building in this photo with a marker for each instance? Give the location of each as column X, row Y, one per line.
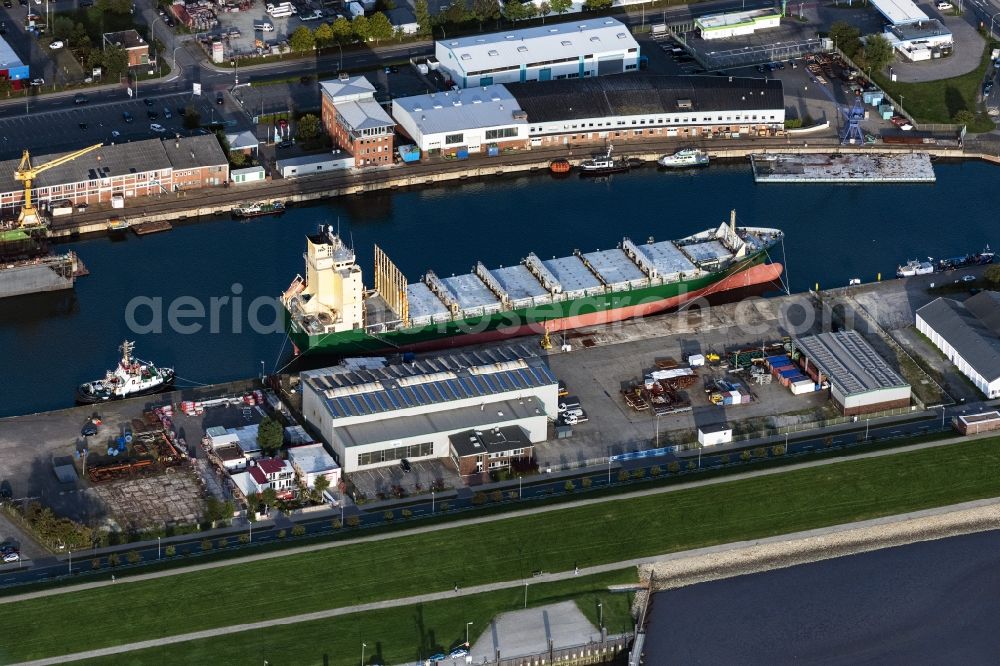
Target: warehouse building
column 475, row 119
column 11, row 67
column 136, row 169
column 969, row 335
column 375, row 414
column 619, row 108
column 736, row 24
column 549, row 52
column 861, row 382
column 911, row 32
column 356, row 122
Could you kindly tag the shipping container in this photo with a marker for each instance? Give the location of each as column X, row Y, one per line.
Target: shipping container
column 462, row 154
column 409, row 154
column 493, row 151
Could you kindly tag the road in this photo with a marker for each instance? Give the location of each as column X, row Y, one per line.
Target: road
column 542, row 487
column 546, row 577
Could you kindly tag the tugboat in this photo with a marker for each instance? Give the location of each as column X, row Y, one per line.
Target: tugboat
column 602, row 164
column 133, row 377
column 915, row 267
column 979, row 259
column 258, row 209
column 687, row 157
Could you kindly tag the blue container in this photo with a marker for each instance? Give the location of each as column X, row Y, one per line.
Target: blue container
column 128, row 438
column 462, row 154
column 791, row 372
column 493, row 151
column 121, row 446
column 121, row 441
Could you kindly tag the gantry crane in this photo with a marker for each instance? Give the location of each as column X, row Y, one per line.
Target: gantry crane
column 27, row 173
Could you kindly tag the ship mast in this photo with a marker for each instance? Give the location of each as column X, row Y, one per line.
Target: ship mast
column 126, row 350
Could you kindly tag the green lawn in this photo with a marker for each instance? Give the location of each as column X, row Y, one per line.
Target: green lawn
column 394, row 636
column 502, row 550
column 939, row 101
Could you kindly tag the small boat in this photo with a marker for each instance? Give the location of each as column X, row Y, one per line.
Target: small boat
column 978, row 259
column 687, row 157
column 605, row 163
column 259, row 208
column 560, row 166
column 132, row 377
column 915, row 267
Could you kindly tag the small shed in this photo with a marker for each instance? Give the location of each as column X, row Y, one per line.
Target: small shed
column 713, row 435
column 248, row 175
column 310, row 164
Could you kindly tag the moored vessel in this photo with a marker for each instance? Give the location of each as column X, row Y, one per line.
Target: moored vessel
column 915, row 267
column 329, row 310
column 978, row 259
column 131, row 377
column 605, row 163
column 257, row 209
column 686, row 157
column 26, row 267
column 560, row 165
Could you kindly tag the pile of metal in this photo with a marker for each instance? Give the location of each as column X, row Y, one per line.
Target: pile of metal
column 202, row 15
column 101, row 473
column 661, row 389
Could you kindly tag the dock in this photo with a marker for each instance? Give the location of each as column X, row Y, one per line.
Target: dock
column 843, row 168
column 146, row 228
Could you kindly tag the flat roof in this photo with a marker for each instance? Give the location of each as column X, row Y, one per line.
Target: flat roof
column 899, row 11
column 970, row 328
column 666, row 257
column 456, row 110
column 718, row 21
column 462, row 418
column 493, row 440
column 539, row 44
column 982, row 417
column 470, row 291
column 128, row 39
column 8, row 58
column 518, row 282
column 923, row 29
column 352, row 391
column 311, row 459
column 644, row 94
column 614, row 266
column 571, row 273
column 849, row 362
column 423, row 302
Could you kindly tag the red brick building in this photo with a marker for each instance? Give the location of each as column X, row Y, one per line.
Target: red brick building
column 135, row 46
column 356, row 122
column 483, row 451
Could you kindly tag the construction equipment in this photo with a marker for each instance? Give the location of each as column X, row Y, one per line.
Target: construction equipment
column 27, row 173
column 546, row 341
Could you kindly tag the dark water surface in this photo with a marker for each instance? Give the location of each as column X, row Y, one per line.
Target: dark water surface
column 936, row 602
column 48, row 345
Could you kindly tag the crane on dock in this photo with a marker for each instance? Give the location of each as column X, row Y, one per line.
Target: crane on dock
column 27, row 173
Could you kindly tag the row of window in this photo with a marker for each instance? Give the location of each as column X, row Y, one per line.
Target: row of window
column 655, row 122
column 502, row 133
column 396, row 453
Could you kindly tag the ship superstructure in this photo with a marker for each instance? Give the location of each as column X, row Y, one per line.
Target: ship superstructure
column 329, row 308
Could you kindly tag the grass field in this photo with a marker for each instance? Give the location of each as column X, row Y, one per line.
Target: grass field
column 503, row 550
column 394, row 636
column 939, row 101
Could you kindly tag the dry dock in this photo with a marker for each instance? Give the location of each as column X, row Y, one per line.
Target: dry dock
column 843, row 168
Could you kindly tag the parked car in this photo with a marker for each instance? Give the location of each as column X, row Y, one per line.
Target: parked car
column 166, row 112
column 127, row 117
column 82, row 206
column 458, row 653
column 943, row 6
column 169, row 21
column 11, row 557
column 405, row 465
column 434, row 658
column 86, row 3
column 147, row 102
column 58, row 44
column 968, row 278
column 80, row 98
column 8, row 4
column 89, row 430
column 220, row 99
column 285, row 144
column 159, row 129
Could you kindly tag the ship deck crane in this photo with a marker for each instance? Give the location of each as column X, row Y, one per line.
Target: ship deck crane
column 27, row 173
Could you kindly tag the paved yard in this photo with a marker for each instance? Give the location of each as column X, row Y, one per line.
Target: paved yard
column 528, row 632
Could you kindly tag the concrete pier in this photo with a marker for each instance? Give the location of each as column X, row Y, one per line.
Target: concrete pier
column 844, row 168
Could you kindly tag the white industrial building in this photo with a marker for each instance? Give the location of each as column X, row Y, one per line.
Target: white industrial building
column 375, row 414
column 308, row 165
column 861, row 382
column 736, row 24
column 911, row 32
column 556, row 51
column 311, row 461
column 713, row 435
column 472, row 118
column 969, row 335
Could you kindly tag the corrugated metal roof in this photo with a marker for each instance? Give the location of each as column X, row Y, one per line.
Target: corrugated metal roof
column 638, row 94
column 480, row 373
column 8, row 58
column 364, row 114
column 354, row 87
column 899, row 11
column 456, row 110
column 970, row 328
column 849, row 362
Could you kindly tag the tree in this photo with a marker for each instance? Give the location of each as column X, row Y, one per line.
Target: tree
column 237, row 158
column 423, row 14
column 192, row 120
column 114, row 559
column 114, row 6
column 320, row 485
column 388, row 516
column 343, row 33
column 964, row 117
column 206, row 545
column 596, row 5
column 561, row 6
column 114, row 60
column 302, row 40
column 214, row 510
column 485, row 10
column 513, row 11
column 379, row 27
column 359, row 26
column 406, row 513
column 270, row 435
column 353, row 521
column 385, row 5
column 456, row 14
column 846, row 37
column 269, row 497
column 5, row 87
column 308, row 127
column 79, row 36
column 544, row 10
column 323, row 35
column 992, row 275
column 62, row 27
column 170, row 551
column 878, row 52
column 298, row 530
column 133, row 556
column 530, row 10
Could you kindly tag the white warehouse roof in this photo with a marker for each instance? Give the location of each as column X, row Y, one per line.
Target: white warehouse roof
column 471, row 108
column 539, row 44
column 899, row 12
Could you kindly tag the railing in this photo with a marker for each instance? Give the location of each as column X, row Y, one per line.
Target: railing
column 595, row 652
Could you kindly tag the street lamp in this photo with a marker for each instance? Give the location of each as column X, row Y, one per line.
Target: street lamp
column 467, row 625
column 157, row 547
column 363, row 646
column 71, row 561
column 600, row 610
column 236, row 71
column 432, row 500
column 991, row 22
column 519, row 496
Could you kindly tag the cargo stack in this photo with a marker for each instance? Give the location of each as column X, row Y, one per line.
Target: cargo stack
column 791, row 375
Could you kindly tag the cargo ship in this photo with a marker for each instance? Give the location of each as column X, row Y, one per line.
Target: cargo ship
column 26, row 267
column 329, row 311
column 132, row 377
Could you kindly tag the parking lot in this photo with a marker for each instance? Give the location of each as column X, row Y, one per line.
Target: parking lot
column 236, row 29
column 386, row 482
column 81, row 125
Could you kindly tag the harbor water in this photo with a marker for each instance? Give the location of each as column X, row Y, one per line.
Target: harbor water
column 227, row 270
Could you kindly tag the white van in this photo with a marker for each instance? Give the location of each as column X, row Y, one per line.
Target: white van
column 263, row 27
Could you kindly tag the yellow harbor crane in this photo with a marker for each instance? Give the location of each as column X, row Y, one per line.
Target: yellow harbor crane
column 27, row 173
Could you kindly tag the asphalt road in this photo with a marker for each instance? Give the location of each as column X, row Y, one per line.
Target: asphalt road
column 539, row 487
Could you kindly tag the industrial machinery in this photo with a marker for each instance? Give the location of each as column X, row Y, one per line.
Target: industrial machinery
column 27, row 173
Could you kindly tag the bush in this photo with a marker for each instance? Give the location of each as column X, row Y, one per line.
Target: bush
column 282, row 534
column 206, row 545
column 692, row 465
column 496, row 496
column 133, row 557
column 639, row 473
column 655, row 470
column 759, row 452
column 479, row 499
column 745, row 456
column 723, row 459
column 244, row 539
column 406, row 513
column 623, row 476
column 353, row 521
column 298, row 530
column 673, row 467
column 444, row 506
column 569, row 486
column 388, row 516
column 170, row 551
column 778, row 450
column 793, row 123
column 223, row 541
column 336, row 524
column 95, row 564
column 114, row 559
column 587, row 482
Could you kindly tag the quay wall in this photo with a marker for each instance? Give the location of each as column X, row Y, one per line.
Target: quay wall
column 191, row 205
